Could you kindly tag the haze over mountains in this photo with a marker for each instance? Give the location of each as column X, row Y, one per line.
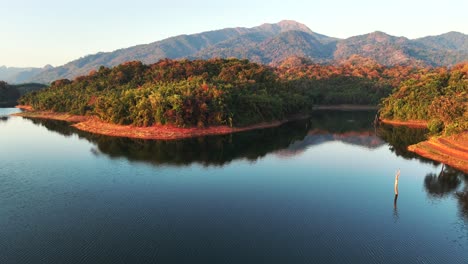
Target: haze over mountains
column 20, row 75
column 272, row 44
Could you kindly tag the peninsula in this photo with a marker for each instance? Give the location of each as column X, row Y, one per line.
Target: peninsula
column 439, row 101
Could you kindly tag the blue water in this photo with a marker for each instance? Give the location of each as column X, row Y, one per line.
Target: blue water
column 312, row 191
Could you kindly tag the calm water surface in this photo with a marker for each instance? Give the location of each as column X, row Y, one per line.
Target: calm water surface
column 312, row 191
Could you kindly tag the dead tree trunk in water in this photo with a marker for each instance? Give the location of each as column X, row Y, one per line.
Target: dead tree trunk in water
column 396, row 182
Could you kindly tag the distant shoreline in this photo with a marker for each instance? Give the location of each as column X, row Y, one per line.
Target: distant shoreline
column 94, row 125
column 450, row 150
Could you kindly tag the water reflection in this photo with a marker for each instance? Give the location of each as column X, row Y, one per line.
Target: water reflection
column 400, row 137
column 462, row 197
column 366, row 139
column 339, row 122
column 211, row 150
column 443, row 184
column 396, row 215
column 287, row 140
column 353, row 127
column 447, row 184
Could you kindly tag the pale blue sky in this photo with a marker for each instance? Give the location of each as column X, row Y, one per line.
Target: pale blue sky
column 39, row 32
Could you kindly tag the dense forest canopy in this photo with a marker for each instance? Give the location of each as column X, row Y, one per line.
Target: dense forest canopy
column 439, row 96
column 218, row 91
column 184, row 93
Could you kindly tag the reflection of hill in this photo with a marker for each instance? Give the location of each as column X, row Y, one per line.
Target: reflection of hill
column 350, row 127
column 366, row 139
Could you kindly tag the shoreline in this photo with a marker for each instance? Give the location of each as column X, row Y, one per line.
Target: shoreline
column 450, row 150
column 24, row 107
column 408, row 123
column 94, row 125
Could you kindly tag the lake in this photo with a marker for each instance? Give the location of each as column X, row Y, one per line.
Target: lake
column 312, row 191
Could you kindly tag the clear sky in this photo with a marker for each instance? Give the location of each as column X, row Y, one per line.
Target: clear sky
column 40, row 32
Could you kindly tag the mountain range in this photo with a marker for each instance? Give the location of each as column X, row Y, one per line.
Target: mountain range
column 20, row 75
column 273, row 43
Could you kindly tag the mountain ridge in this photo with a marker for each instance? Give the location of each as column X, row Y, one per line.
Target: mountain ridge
column 272, row 43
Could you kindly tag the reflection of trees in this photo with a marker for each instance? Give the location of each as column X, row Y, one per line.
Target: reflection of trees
column 352, row 127
column 446, row 183
column 210, row 150
column 400, row 137
column 462, row 197
column 443, row 184
column 342, row 121
column 60, row 127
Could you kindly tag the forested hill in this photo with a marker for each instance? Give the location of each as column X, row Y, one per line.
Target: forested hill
column 271, row 44
column 216, row 92
column 183, row 93
column 439, row 96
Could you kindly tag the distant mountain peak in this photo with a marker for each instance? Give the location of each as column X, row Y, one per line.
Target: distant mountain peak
column 379, row 33
column 48, row 67
column 286, row 25
column 292, row 24
column 379, row 36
